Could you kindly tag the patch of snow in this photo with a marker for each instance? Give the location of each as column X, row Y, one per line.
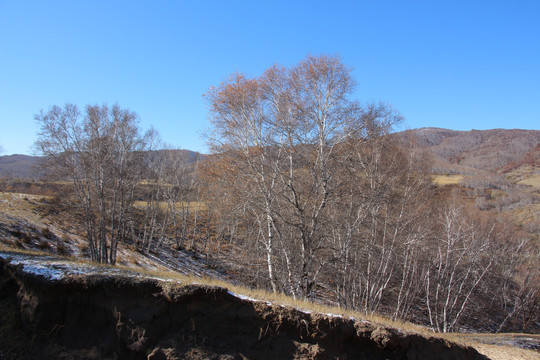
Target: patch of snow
column 176, row 281
column 55, row 269
column 50, row 273
column 243, row 297
column 334, row 315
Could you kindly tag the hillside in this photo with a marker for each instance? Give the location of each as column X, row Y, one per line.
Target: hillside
column 27, row 167
column 193, row 219
column 463, row 152
column 497, row 170
column 19, row 166
column 475, row 151
column 27, row 223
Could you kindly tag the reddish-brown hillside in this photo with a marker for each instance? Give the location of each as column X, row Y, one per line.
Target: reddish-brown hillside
column 470, row 151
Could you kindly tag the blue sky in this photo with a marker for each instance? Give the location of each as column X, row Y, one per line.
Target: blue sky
column 454, row 64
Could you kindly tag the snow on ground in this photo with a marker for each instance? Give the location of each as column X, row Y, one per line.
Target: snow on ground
column 243, row 297
column 56, row 269
column 53, row 268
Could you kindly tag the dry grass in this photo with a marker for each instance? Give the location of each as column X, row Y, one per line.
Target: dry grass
column 528, row 213
column 21, row 205
column 7, row 248
column 525, row 175
column 524, row 213
column 495, row 352
column 532, row 180
column 191, row 205
column 443, row 180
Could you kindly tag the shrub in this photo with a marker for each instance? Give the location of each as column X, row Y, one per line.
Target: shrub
column 47, row 233
column 44, row 245
column 61, row 248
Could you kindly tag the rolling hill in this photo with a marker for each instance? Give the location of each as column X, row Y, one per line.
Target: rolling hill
column 496, row 170
column 27, row 167
column 20, row 166
column 476, row 151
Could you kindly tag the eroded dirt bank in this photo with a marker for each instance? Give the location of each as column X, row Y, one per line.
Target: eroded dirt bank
column 122, row 317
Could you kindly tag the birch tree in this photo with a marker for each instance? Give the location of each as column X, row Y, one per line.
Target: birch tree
column 246, row 136
column 284, row 135
column 99, row 151
column 461, row 256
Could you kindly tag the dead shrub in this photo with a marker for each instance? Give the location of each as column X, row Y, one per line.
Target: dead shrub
column 61, row 248
column 47, row 233
column 85, row 250
column 44, row 245
column 22, row 236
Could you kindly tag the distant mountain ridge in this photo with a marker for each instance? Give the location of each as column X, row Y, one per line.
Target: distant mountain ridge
column 466, row 152
column 20, row 166
column 27, row 167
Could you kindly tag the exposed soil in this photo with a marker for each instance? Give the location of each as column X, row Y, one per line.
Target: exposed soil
column 117, row 316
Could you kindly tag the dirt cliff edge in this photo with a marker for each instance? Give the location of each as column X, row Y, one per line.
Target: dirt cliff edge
column 120, row 317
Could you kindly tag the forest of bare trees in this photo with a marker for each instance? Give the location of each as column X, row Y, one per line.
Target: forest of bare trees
column 307, row 192
column 327, row 206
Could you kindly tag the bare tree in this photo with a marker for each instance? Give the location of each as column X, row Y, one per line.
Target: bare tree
column 245, row 135
column 284, row 136
column 180, row 184
column 100, row 152
column 461, row 256
column 319, row 197
column 518, row 284
column 167, row 189
column 378, row 227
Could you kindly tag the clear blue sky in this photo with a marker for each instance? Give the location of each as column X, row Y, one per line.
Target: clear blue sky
column 454, row 64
